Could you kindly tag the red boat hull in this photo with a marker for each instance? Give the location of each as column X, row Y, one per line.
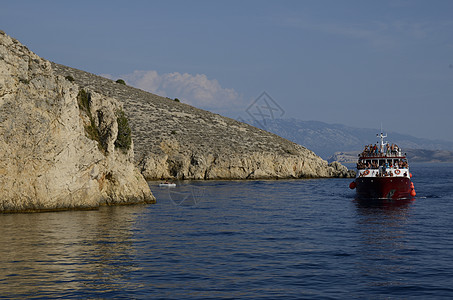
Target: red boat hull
column 383, row 187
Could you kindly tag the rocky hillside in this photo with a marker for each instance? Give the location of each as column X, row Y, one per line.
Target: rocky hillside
column 61, row 145
column 175, row 140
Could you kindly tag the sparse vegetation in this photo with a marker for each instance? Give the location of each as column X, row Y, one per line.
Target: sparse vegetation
column 69, row 78
column 23, row 80
column 93, row 133
column 173, row 132
column 177, row 100
column 83, row 99
column 124, row 138
column 91, row 130
column 121, row 81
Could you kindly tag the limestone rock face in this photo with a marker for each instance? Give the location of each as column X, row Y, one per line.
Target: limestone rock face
column 175, row 140
column 48, row 160
column 256, row 165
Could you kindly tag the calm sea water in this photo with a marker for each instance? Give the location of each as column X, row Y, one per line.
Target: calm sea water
column 230, row 239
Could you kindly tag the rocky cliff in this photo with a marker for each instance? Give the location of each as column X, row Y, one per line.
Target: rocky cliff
column 175, row 140
column 62, row 146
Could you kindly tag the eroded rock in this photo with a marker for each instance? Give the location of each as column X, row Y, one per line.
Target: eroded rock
column 48, row 160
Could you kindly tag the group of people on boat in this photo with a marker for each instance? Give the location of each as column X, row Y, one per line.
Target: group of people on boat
column 375, row 150
column 398, row 164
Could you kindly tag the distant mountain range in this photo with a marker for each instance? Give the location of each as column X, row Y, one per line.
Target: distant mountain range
column 414, row 155
column 327, row 139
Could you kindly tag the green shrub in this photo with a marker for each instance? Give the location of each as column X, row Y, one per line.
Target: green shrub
column 177, row 100
column 91, row 130
column 69, row 78
column 173, row 132
column 83, row 99
column 93, row 133
column 121, row 81
column 124, row 138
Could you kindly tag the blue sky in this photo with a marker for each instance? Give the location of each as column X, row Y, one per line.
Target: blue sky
column 359, row 63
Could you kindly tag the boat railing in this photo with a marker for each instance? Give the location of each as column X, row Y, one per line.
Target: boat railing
column 384, row 172
column 403, row 166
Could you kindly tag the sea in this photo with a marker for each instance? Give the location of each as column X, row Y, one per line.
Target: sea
column 270, row 239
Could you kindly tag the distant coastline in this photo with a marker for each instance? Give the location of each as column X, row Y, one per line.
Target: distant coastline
column 414, row 155
column 327, row 139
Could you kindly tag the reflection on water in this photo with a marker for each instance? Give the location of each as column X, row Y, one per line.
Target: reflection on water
column 377, row 205
column 50, row 253
column 382, row 225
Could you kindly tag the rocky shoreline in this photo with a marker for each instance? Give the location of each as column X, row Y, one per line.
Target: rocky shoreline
column 177, row 141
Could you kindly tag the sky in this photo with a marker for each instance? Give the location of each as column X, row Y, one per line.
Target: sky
column 358, row 63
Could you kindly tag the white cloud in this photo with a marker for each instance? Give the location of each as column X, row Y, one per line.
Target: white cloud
column 197, row 90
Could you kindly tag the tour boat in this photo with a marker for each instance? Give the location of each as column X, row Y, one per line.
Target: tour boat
column 383, row 173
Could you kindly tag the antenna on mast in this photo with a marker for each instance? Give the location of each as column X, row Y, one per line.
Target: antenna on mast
column 381, row 136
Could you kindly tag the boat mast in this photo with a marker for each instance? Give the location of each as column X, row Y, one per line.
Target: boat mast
column 382, row 136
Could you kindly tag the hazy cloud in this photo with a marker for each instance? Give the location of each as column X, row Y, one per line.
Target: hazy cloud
column 379, row 34
column 197, row 90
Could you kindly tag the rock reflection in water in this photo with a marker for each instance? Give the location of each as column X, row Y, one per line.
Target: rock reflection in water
column 62, row 252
